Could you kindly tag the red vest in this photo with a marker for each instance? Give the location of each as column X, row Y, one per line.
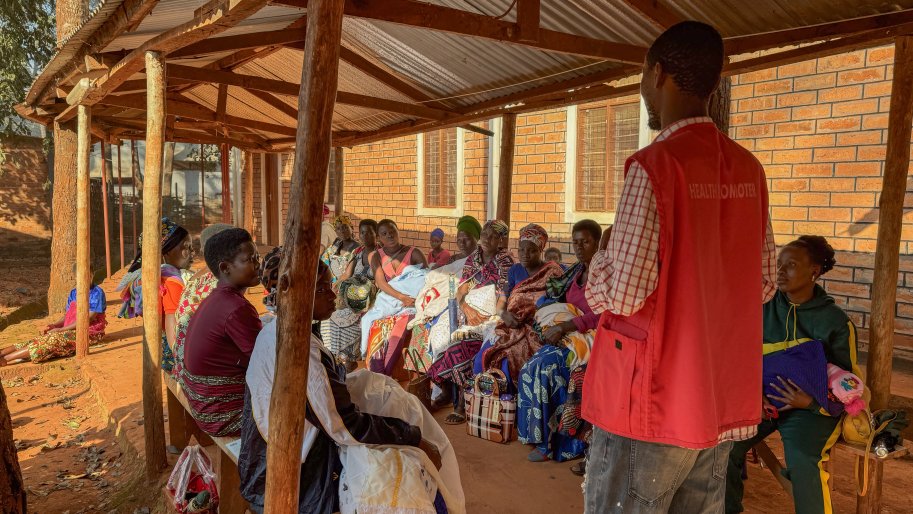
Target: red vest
column 687, row 366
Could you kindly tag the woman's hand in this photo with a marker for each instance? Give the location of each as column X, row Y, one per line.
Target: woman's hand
column 431, row 451
column 408, row 301
column 791, row 394
column 604, row 240
column 553, row 335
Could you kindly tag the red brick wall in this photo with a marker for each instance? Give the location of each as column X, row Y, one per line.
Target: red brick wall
column 820, row 128
column 25, row 202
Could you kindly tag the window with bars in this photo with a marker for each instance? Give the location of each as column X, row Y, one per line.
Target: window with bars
column 439, row 173
column 606, row 136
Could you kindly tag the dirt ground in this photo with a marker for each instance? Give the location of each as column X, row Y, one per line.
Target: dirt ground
column 496, row 478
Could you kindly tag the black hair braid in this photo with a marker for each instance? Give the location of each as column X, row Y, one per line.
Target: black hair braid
column 819, row 251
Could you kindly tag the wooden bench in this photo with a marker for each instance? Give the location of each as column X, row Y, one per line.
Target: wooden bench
column 868, row 504
column 181, row 427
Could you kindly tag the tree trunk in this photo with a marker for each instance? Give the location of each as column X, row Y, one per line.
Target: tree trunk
column 12, row 490
column 70, row 14
column 720, row 105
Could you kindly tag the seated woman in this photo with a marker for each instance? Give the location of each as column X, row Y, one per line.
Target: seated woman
column 438, row 256
column 221, row 335
column 177, row 256
column 484, row 274
column 469, row 230
column 399, row 273
column 567, row 324
column 59, row 339
column 803, row 312
column 341, row 250
column 196, row 289
column 342, row 331
column 335, row 421
column 515, row 339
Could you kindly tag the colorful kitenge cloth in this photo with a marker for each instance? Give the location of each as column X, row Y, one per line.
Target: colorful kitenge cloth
column 195, row 291
column 337, row 259
column 63, row 344
column 494, row 272
column 579, row 344
column 534, row 234
column 517, row 345
column 342, row 332
column 386, row 340
column 216, row 402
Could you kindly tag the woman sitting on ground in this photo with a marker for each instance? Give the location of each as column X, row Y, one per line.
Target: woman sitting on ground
column 804, row 313
column 196, row 289
column 341, row 250
column 176, row 258
column 334, row 421
column 483, row 276
column 221, row 335
column 342, row 331
column 567, row 324
column 515, row 339
column 59, row 339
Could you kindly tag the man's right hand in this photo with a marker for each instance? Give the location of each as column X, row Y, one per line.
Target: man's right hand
column 604, row 241
column 431, row 451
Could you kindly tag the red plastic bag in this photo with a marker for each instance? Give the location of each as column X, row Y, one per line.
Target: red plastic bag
column 192, row 475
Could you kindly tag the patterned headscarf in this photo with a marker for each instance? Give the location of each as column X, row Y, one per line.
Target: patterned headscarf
column 534, row 233
column 470, row 226
column 171, row 235
column 500, row 228
column 345, row 220
column 269, row 275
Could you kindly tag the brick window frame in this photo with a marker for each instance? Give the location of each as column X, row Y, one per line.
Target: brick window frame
column 426, row 209
column 574, row 156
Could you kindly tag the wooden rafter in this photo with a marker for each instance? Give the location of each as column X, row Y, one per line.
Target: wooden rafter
column 387, row 78
column 653, row 10
column 239, row 42
column 528, row 20
column 279, row 105
column 458, row 21
column 212, row 18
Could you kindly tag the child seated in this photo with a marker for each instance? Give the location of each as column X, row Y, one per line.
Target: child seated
column 554, row 255
column 59, row 339
column 438, row 256
column 221, row 335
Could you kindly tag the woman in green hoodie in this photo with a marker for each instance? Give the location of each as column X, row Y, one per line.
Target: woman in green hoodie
column 800, row 311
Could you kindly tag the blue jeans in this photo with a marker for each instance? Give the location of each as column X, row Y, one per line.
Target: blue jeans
column 634, row 477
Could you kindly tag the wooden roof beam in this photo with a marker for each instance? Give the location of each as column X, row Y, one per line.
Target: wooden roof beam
column 458, row 21
column 653, row 10
column 252, row 82
column 239, row 42
column 778, row 38
column 212, row 18
column 387, row 78
column 528, row 21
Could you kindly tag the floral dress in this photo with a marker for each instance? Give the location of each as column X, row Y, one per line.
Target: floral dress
column 195, row 291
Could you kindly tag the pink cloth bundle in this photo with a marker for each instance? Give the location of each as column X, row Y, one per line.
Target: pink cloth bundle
column 847, row 388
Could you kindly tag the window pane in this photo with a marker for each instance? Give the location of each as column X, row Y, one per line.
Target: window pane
column 591, row 159
column 625, row 139
column 440, row 168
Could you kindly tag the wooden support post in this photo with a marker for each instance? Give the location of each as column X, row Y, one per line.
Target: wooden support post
column 153, row 415
column 226, row 183
column 339, row 160
column 249, row 192
column 104, row 207
column 83, row 243
column 890, row 220
column 319, row 79
column 120, row 208
column 506, row 167
column 135, row 173
column 202, row 188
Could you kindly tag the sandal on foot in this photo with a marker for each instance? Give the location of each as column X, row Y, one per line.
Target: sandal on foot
column 537, row 456
column 579, row 469
column 455, row 419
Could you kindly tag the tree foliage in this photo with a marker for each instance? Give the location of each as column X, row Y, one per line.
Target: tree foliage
column 27, row 42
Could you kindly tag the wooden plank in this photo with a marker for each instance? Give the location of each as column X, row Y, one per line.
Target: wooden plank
column 890, row 221
column 212, row 18
column 774, row 465
column 528, row 21
column 388, row 78
column 478, row 130
column 153, row 415
column 280, row 106
column 296, row 284
column 340, row 162
column 661, row 16
column 755, row 42
column 120, row 206
column 104, row 208
column 239, row 42
column 382, row 104
column 458, row 21
column 83, row 242
column 221, row 102
column 226, row 182
column 506, row 167
column 248, row 177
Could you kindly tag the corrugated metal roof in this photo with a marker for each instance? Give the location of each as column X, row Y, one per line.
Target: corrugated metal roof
column 456, row 70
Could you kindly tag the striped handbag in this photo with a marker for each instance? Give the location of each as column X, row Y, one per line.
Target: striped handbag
column 490, row 415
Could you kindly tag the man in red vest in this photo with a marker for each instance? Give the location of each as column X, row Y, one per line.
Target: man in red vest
column 675, row 372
